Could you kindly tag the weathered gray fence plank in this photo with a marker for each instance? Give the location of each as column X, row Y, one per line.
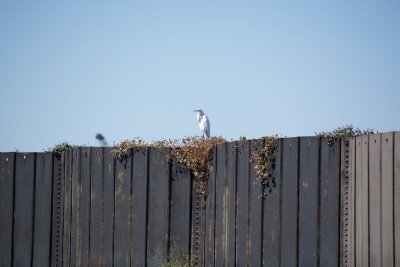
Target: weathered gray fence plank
column 57, row 211
column 123, row 172
column 272, row 215
column 361, row 201
column 210, row 214
column 242, row 212
column 43, row 206
column 387, row 200
column 108, row 207
column 351, row 259
column 375, row 200
column 231, row 204
column 255, row 216
column 67, row 207
column 96, row 206
column 347, row 225
column 308, row 201
column 181, row 194
column 85, row 205
column 76, row 206
column 329, row 207
column 198, row 228
column 290, row 182
column 23, row 211
column 7, row 161
column 139, row 207
column 158, row 208
column 396, row 197
column 220, row 206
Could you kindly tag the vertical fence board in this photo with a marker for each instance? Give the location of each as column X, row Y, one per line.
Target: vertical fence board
column 242, row 213
column 6, row 207
column 362, row 196
column 23, row 212
column 85, row 205
column 387, row 200
column 255, row 215
column 375, row 198
column 361, row 203
column 289, row 235
column 180, row 213
column 396, row 198
column 272, row 215
column 58, row 210
column 76, row 213
column 220, row 203
column 329, row 207
column 231, row 205
column 196, row 223
column 352, row 202
column 308, row 201
column 158, row 208
column 210, row 214
column 123, row 171
column 352, row 171
column 108, row 207
column 43, row 206
column 96, row 196
column 198, row 228
column 139, row 207
column 67, row 207
column 347, row 213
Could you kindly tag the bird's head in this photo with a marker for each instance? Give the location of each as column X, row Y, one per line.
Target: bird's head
column 199, row 111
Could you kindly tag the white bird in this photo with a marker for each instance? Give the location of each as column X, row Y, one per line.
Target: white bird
column 204, row 123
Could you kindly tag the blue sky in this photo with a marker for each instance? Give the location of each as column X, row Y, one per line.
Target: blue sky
column 72, row 69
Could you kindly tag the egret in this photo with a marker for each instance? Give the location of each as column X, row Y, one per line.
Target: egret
column 204, row 123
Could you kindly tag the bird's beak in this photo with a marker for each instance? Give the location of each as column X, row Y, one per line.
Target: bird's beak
column 195, row 110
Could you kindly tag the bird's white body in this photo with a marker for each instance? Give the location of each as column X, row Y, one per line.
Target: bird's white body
column 204, row 122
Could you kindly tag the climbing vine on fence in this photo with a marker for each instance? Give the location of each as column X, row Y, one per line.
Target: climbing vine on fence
column 191, row 152
column 58, row 149
column 263, row 155
column 126, row 148
column 195, row 153
column 345, row 132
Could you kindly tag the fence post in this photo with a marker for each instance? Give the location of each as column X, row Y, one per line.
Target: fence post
column 7, row 176
column 57, row 225
column 347, row 203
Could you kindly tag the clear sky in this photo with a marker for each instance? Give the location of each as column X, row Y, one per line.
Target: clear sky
column 71, row 69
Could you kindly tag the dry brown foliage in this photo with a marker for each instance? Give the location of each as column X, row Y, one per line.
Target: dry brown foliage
column 126, row 148
column 192, row 152
column 195, row 153
column 264, row 158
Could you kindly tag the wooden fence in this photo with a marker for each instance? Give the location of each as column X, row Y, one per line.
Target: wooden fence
column 88, row 209
column 125, row 213
column 326, row 205
column 371, row 201
column 296, row 224
column 26, row 209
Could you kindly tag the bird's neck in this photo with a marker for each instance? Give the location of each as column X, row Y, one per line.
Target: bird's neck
column 199, row 115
